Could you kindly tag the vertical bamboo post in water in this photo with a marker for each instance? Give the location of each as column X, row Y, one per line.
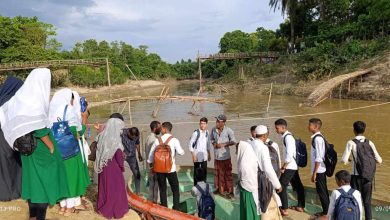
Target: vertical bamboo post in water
column 269, row 97
column 200, row 73
column 131, row 120
column 108, row 73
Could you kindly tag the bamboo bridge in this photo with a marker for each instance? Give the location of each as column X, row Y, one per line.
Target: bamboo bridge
column 52, row 63
column 241, row 55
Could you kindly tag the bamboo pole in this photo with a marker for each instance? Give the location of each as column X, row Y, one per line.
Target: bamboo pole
column 269, row 97
column 139, row 84
column 130, row 118
column 108, row 73
column 200, row 73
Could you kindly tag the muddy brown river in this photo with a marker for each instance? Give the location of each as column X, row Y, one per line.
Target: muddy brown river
column 246, row 109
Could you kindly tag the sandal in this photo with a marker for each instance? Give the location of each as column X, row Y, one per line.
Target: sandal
column 283, row 212
column 62, row 211
column 297, row 208
column 69, row 213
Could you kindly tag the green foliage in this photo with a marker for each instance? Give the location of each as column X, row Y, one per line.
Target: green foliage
column 87, row 76
column 186, row 69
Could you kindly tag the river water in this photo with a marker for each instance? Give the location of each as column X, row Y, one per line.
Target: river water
column 249, row 108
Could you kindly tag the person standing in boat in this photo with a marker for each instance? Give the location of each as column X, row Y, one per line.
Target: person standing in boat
column 222, row 137
column 318, row 167
column 175, row 147
column 362, row 176
column 247, row 166
column 262, row 153
column 10, row 163
column 109, row 164
column 199, row 147
column 155, row 128
column 289, row 169
column 131, row 143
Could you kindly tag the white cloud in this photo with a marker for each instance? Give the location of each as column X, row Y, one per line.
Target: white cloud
column 173, row 28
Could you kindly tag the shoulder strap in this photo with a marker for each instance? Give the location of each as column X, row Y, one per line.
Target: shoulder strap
column 64, row 117
column 314, row 138
column 168, row 140
column 160, row 141
column 200, row 190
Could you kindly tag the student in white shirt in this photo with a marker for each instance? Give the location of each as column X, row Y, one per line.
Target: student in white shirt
column 199, row 147
column 317, row 164
column 289, row 169
column 176, row 148
column 262, row 153
column 343, row 180
column 253, row 134
column 358, row 182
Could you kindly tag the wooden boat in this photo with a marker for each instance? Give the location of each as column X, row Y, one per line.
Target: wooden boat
column 226, row 209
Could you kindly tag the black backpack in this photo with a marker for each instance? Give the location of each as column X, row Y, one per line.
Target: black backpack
column 274, row 157
column 25, row 144
column 330, row 159
column 301, row 151
column 365, row 162
column 265, row 189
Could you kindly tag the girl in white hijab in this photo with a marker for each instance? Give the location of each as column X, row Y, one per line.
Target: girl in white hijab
column 76, row 173
column 43, row 172
column 248, row 164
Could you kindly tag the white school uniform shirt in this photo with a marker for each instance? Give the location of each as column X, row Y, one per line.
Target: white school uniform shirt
column 175, row 146
column 202, row 146
column 290, row 151
column 351, row 147
column 336, row 194
column 262, row 153
column 318, row 153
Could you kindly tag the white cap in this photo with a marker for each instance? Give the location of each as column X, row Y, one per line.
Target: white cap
column 261, row 129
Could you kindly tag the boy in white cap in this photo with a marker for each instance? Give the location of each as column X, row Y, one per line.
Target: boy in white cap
column 262, row 153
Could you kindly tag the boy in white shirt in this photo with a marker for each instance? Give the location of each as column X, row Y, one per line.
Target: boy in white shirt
column 175, row 147
column 318, row 167
column 343, row 179
column 362, row 181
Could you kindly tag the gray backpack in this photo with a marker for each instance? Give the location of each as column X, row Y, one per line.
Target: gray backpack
column 365, row 162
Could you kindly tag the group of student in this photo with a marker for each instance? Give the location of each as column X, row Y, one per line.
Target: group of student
column 33, row 166
column 260, row 154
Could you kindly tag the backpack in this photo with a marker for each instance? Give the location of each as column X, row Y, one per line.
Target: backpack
column 265, row 190
column 194, row 145
column 163, row 157
column 365, row 162
column 330, row 159
column 66, row 142
column 346, row 206
column 274, row 157
column 206, row 204
column 301, row 151
column 25, row 144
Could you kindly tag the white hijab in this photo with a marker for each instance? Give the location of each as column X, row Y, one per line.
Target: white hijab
column 77, row 106
column 109, row 141
column 248, row 163
column 27, row 111
column 60, row 99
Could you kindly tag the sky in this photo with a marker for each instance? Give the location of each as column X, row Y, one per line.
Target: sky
column 175, row 29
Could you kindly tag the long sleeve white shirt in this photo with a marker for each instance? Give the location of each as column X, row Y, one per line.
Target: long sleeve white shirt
column 203, row 145
column 175, row 146
column 351, row 148
column 336, row 194
column 318, row 153
column 290, row 151
column 264, row 158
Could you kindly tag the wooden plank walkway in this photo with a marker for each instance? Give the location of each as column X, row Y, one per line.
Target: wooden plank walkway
column 241, row 55
column 50, row 63
column 323, row 91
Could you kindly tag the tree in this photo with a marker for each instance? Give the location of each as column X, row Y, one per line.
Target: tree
column 236, row 41
column 289, row 7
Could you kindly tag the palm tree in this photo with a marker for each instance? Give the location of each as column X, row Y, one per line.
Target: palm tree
column 289, row 7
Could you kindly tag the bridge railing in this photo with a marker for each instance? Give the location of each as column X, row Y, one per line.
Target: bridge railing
column 239, row 55
column 52, row 63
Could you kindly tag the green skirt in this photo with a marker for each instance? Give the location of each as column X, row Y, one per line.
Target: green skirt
column 76, row 175
column 43, row 174
column 248, row 209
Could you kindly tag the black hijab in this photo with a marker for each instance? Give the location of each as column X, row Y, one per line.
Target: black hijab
column 9, row 88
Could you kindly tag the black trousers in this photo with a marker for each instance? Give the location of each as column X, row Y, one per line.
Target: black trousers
column 322, row 191
column 162, row 185
column 365, row 188
column 203, row 166
column 37, row 210
column 292, row 176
